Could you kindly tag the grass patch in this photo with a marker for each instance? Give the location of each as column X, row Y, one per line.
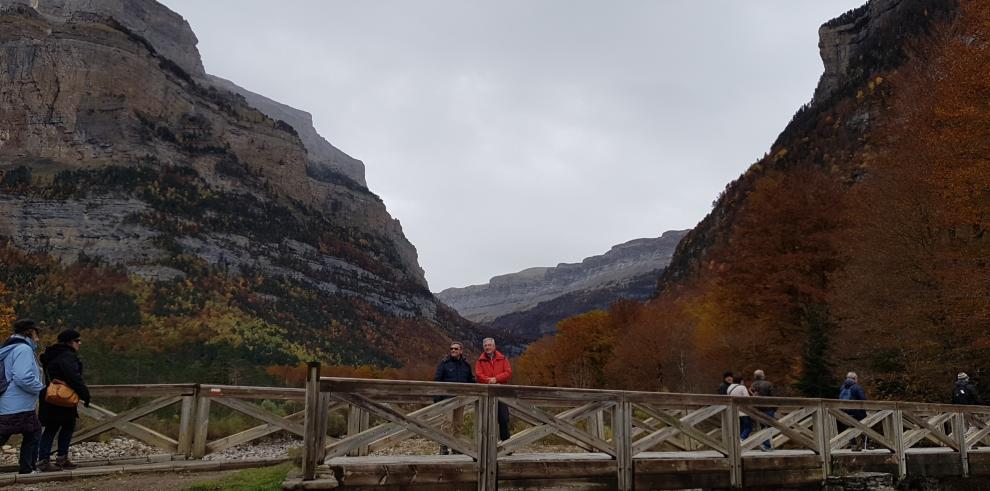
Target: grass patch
column 260, row 479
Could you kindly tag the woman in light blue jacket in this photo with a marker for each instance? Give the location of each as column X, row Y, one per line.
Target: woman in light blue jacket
column 21, row 384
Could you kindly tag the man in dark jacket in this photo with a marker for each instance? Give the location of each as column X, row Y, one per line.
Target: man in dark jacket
column 727, row 380
column 852, row 391
column 965, row 391
column 454, row 368
column 61, row 363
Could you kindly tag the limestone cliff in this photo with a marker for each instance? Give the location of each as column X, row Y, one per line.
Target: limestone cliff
column 118, row 148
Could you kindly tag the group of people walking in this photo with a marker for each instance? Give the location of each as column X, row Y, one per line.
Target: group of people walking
column 491, row 367
column 39, row 406
column 733, row 385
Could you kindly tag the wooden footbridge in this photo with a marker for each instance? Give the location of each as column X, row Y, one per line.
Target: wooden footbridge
column 605, row 439
column 385, row 435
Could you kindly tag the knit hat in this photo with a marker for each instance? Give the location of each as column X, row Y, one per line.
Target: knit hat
column 22, row 326
column 727, row 373
column 962, row 376
column 68, row 335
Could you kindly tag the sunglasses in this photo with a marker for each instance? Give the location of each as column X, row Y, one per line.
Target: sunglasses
column 454, row 349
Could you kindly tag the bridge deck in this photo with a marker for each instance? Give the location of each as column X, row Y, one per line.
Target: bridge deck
column 652, row 470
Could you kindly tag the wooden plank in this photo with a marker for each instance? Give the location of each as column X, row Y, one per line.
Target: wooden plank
column 561, row 426
column 386, row 388
column 184, row 445
column 248, row 392
column 802, row 418
column 409, row 423
column 142, row 433
column 250, row 434
column 930, row 430
column 142, row 390
column 684, row 425
column 959, row 433
column 487, row 435
column 858, row 427
column 622, row 438
column 822, row 441
column 793, row 434
column 354, row 416
column 261, row 415
column 730, row 422
column 127, row 416
column 321, row 426
column 537, row 423
column 899, row 448
column 201, row 425
column 661, row 435
column 312, row 450
column 535, row 433
column 389, row 430
column 399, row 435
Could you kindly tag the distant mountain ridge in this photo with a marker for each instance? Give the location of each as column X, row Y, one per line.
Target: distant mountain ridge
column 627, row 270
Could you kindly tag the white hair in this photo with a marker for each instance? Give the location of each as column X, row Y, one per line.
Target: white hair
column 759, row 375
column 483, row 341
column 852, row 375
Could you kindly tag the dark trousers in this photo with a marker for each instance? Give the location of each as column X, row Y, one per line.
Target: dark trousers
column 64, row 432
column 770, row 413
column 745, row 427
column 25, row 460
column 503, row 422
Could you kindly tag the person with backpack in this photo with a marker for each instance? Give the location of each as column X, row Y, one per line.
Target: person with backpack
column 20, row 384
column 852, row 391
column 62, row 365
column 738, row 389
column 965, row 391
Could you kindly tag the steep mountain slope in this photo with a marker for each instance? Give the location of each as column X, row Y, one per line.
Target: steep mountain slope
column 530, row 302
column 857, row 243
column 201, row 221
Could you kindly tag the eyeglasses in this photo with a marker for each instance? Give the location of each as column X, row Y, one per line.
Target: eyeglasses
column 454, row 349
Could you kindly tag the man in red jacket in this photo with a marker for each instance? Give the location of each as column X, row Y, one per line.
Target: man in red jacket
column 493, row 368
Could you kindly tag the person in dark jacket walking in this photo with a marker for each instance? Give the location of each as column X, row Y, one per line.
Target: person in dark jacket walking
column 454, row 368
column 965, row 391
column 61, row 362
column 852, row 391
column 761, row 387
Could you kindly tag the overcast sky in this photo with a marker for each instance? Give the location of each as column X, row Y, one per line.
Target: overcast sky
column 516, row 133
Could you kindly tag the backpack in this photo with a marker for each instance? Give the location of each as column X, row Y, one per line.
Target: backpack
column 846, row 394
column 961, row 395
column 4, row 381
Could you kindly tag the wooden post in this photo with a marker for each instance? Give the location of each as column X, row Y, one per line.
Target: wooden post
column 622, row 438
column 201, row 425
column 897, row 419
column 321, row 443
column 822, row 439
column 596, row 424
column 730, row 431
column 487, row 434
column 959, row 433
column 357, row 421
column 312, row 448
column 186, row 425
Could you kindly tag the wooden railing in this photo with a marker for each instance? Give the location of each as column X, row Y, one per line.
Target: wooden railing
column 639, row 435
column 194, row 407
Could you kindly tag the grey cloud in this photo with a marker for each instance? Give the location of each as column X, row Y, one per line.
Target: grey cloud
column 516, row 133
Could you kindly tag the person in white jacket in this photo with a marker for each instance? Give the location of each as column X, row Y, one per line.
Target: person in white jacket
column 738, row 389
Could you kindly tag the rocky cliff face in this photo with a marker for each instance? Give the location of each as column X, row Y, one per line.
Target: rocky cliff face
column 117, row 147
column 855, row 47
column 565, row 289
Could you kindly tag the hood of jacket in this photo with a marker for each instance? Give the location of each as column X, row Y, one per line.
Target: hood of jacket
column 848, row 383
column 54, row 351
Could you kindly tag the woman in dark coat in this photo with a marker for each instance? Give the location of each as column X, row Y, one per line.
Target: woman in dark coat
column 61, row 362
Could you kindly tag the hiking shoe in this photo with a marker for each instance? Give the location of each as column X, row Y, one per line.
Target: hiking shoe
column 65, row 463
column 47, row 466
